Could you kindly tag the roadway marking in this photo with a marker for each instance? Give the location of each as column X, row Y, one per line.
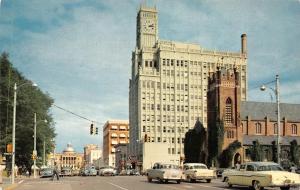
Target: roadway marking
column 118, row 186
column 20, row 182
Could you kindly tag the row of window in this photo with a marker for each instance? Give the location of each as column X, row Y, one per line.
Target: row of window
column 185, row 87
column 181, row 63
column 173, row 151
column 170, row 97
column 166, row 107
column 185, row 63
column 164, row 129
column 170, row 118
column 258, row 128
column 164, row 139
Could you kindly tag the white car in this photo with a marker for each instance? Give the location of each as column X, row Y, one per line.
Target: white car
column 262, row 174
column 198, row 171
column 107, row 171
column 164, row 173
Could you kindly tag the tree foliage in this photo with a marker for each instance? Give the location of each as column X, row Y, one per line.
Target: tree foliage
column 274, row 151
column 294, row 152
column 227, row 154
column 215, row 141
column 257, row 153
column 30, row 100
column 194, row 144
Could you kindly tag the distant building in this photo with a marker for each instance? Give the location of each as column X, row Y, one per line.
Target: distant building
column 168, row 88
column 69, row 158
column 114, row 132
column 92, row 153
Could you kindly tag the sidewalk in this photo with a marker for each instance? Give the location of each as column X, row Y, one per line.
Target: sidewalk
column 6, row 185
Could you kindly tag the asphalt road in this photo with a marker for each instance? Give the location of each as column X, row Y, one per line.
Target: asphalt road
column 117, row 183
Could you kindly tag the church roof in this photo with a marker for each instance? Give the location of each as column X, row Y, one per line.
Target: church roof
column 267, row 140
column 259, row 110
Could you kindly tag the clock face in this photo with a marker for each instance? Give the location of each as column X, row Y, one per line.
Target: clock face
column 148, row 26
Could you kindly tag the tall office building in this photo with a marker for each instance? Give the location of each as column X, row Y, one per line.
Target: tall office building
column 168, row 89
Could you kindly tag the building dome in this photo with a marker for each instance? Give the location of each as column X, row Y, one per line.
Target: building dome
column 69, row 148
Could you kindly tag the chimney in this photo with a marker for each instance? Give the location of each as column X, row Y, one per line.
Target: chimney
column 244, row 43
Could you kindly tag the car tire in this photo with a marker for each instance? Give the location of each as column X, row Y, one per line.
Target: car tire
column 256, row 185
column 226, row 180
column 149, row 179
column 166, row 181
column 178, row 181
column 208, row 180
column 284, row 188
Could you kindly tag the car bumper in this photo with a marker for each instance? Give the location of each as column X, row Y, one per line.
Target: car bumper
column 204, row 177
column 285, row 185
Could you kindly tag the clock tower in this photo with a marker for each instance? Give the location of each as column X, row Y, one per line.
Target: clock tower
column 146, row 29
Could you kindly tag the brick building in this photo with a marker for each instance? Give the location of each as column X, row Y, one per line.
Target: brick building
column 247, row 121
column 114, row 132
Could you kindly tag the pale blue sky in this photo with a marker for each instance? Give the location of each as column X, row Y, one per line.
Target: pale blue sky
column 79, row 51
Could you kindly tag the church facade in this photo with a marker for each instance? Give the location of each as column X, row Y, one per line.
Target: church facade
column 247, row 122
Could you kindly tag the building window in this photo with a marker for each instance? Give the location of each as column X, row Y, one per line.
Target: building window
column 294, row 129
column 230, row 134
column 258, row 128
column 275, row 128
column 228, row 111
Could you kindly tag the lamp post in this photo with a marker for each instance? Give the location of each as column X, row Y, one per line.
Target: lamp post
column 277, row 92
column 14, row 131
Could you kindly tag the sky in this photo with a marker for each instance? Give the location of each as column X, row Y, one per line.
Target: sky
column 79, row 51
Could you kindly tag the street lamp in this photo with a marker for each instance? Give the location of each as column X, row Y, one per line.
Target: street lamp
column 14, row 130
column 276, row 91
column 34, row 146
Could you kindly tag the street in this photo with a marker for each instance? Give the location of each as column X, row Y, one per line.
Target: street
column 117, row 183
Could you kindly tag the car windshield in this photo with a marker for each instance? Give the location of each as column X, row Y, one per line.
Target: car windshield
column 200, row 167
column 269, row 168
column 169, row 166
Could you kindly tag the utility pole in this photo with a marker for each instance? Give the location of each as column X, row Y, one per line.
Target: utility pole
column 44, row 153
column 34, row 148
column 278, row 118
column 14, row 137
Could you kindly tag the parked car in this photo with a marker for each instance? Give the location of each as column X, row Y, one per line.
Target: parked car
column 46, row 172
column 85, row 172
column 164, row 173
column 92, row 171
column 66, row 171
column 103, row 171
column 262, row 174
column 75, row 172
column 198, row 171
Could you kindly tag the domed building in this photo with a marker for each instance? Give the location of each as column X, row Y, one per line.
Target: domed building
column 69, row 158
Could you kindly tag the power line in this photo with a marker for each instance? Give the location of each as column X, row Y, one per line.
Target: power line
column 257, row 87
column 77, row 115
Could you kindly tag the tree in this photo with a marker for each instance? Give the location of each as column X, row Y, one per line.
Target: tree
column 256, row 152
column 274, row 151
column 194, row 144
column 226, row 156
column 30, row 100
column 215, row 141
column 294, row 152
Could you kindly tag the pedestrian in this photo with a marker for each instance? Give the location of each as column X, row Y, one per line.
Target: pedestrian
column 55, row 172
